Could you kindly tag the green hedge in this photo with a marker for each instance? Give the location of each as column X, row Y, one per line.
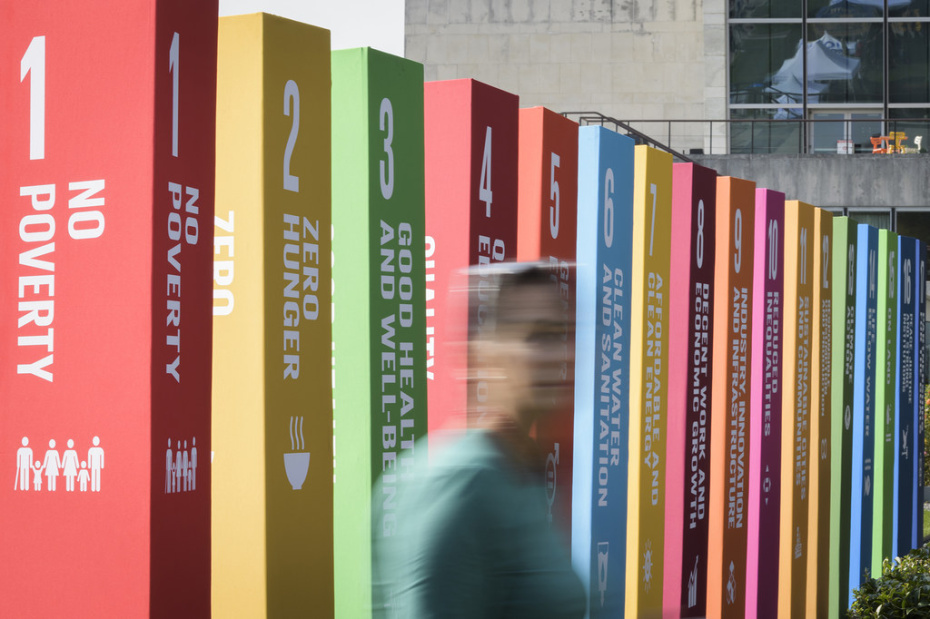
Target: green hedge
column 902, row 591
column 927, row 436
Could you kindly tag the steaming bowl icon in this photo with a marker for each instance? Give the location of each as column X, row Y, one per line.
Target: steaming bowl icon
column 296, row 466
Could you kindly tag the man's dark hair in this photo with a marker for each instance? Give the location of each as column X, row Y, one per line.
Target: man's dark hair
column 495, row 290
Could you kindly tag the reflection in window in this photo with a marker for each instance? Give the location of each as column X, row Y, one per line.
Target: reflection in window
column 850, row 58
column 909, row 62
column 764, row 9
column 844, row 62
column 757, row 51
column 843, row 9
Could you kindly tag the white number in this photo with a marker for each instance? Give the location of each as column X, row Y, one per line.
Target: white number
column 738, row 238
column 609, row 207
column 826, row 262
column 652, row 229
column 174, row 67
column 700, row 235
column 773, row 249
column 386, row 123
column 803, row 260
column 554, row 162
column 907, row 280
column 291, row 93
column 871, row 273
column 484, row 182
column 33, row 65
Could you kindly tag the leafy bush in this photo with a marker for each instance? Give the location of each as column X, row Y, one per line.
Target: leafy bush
column 926, row 435
column 902, row 591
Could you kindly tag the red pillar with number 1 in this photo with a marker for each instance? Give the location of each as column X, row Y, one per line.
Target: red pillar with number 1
column 106, row 180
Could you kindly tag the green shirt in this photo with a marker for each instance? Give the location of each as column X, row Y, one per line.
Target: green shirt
column 473, row 539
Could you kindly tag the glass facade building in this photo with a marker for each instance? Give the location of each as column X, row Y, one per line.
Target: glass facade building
column 845, row 71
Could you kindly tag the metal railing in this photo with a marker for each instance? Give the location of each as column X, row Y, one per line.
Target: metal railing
column 596, row 118
column 761, row 135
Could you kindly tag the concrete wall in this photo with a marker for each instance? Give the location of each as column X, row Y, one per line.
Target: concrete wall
column 835, row 181
column 630, row 59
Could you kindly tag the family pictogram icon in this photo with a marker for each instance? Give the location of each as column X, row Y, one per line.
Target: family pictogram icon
column 53, row 465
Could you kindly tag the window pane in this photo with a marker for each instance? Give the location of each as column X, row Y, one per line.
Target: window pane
column 915, row 225
column 909, row 8
column 844, row 63
column 757, row 53
column 914, row 122
column 761, row 9
column 909, row 62
column 863, row 127
column 879, row 219
column 827, row 131
column 845, row 9
column 763, row 136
